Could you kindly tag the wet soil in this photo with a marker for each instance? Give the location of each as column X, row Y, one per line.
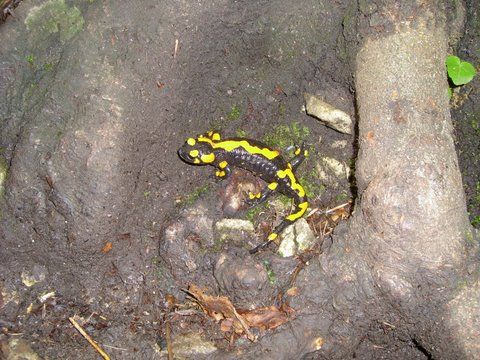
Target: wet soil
column 97, row 207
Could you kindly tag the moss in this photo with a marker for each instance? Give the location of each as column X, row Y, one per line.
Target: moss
column 310, row 182
column 286, row 135
column 241, row 133
column 54, row 16
column 342, row 197
column 234, row 113
column 218, row 243
column 253, row 212
column 272, row 278
column 195, row 194
column 3, row 174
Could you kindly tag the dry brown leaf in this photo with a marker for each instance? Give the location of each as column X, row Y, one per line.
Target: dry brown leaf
column 107, row 247
column 267, row 318
column 170, row 300
column 220, row 307
column 293, row 291
column 226, row 325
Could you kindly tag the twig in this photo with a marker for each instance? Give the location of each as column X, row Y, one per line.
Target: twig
column 115, row 347
column 88, row 338
column 337, row 207
column 169, row 341
column 176, row 49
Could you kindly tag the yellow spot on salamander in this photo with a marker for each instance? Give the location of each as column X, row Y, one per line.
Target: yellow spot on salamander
column 272, row 236
column 191, row 141
column 297, row 152
column 208, row 158
column 230, row 145
column 223, row 165
column 305, row 153
column 252, row 196
column 193, row 153
column 303, row 207
column 273, row 185
column 220, row 173
column 216, row 136
column 293, row 180
column 196, row 161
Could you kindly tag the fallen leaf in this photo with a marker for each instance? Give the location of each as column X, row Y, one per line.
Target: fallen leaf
column 293, row 291
column 107, row 247
column 226, row 325
column 219, row 308
column 267, row 318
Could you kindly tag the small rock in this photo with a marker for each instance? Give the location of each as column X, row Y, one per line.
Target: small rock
column 17, row 349
column 198, row 220
column 234, row 229
column 331, row 170
column 296, row 238
column 3, row 174
column 331, row 117
column 190, row 346
column 38, row 274
column 339, row 144
column 341, row 170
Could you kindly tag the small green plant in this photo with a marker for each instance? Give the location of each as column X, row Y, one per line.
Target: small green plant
column 30, row 59
column 476, row 221
column 234, row 113
column 459, row 72
column 477, row 193
column 47, row 66
column 272, row 279
column 241, row 133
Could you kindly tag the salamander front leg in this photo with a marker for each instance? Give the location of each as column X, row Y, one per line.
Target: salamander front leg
column 223, row 171
column 300, row 155
column 300, row 210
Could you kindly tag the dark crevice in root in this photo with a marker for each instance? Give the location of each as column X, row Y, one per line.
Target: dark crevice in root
column 420, row 348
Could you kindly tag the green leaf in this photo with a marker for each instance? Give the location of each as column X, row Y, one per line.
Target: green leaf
column 460, row 72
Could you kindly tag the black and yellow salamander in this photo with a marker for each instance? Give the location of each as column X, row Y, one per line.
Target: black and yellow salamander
column 258, row 158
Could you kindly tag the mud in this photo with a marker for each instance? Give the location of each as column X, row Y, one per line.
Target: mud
column 95, row 99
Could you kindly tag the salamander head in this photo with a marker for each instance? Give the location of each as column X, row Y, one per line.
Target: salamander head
column 196, row 152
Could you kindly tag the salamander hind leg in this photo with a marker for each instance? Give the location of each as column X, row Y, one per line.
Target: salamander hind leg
column 300, row 210
column 273, row 235
column 255, row 199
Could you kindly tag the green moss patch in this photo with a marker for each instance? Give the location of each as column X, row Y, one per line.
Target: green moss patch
column 54, row 16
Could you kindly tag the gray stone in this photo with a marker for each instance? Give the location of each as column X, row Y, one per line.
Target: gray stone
column 296, row 238
column 327, row 114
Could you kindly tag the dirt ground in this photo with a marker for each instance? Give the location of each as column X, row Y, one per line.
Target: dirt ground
column 100, row 218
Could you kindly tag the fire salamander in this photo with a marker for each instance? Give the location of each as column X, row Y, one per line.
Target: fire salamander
column 258, row 158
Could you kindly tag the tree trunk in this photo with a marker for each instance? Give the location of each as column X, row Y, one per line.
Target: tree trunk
column 411, row 222
column 402, row 265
